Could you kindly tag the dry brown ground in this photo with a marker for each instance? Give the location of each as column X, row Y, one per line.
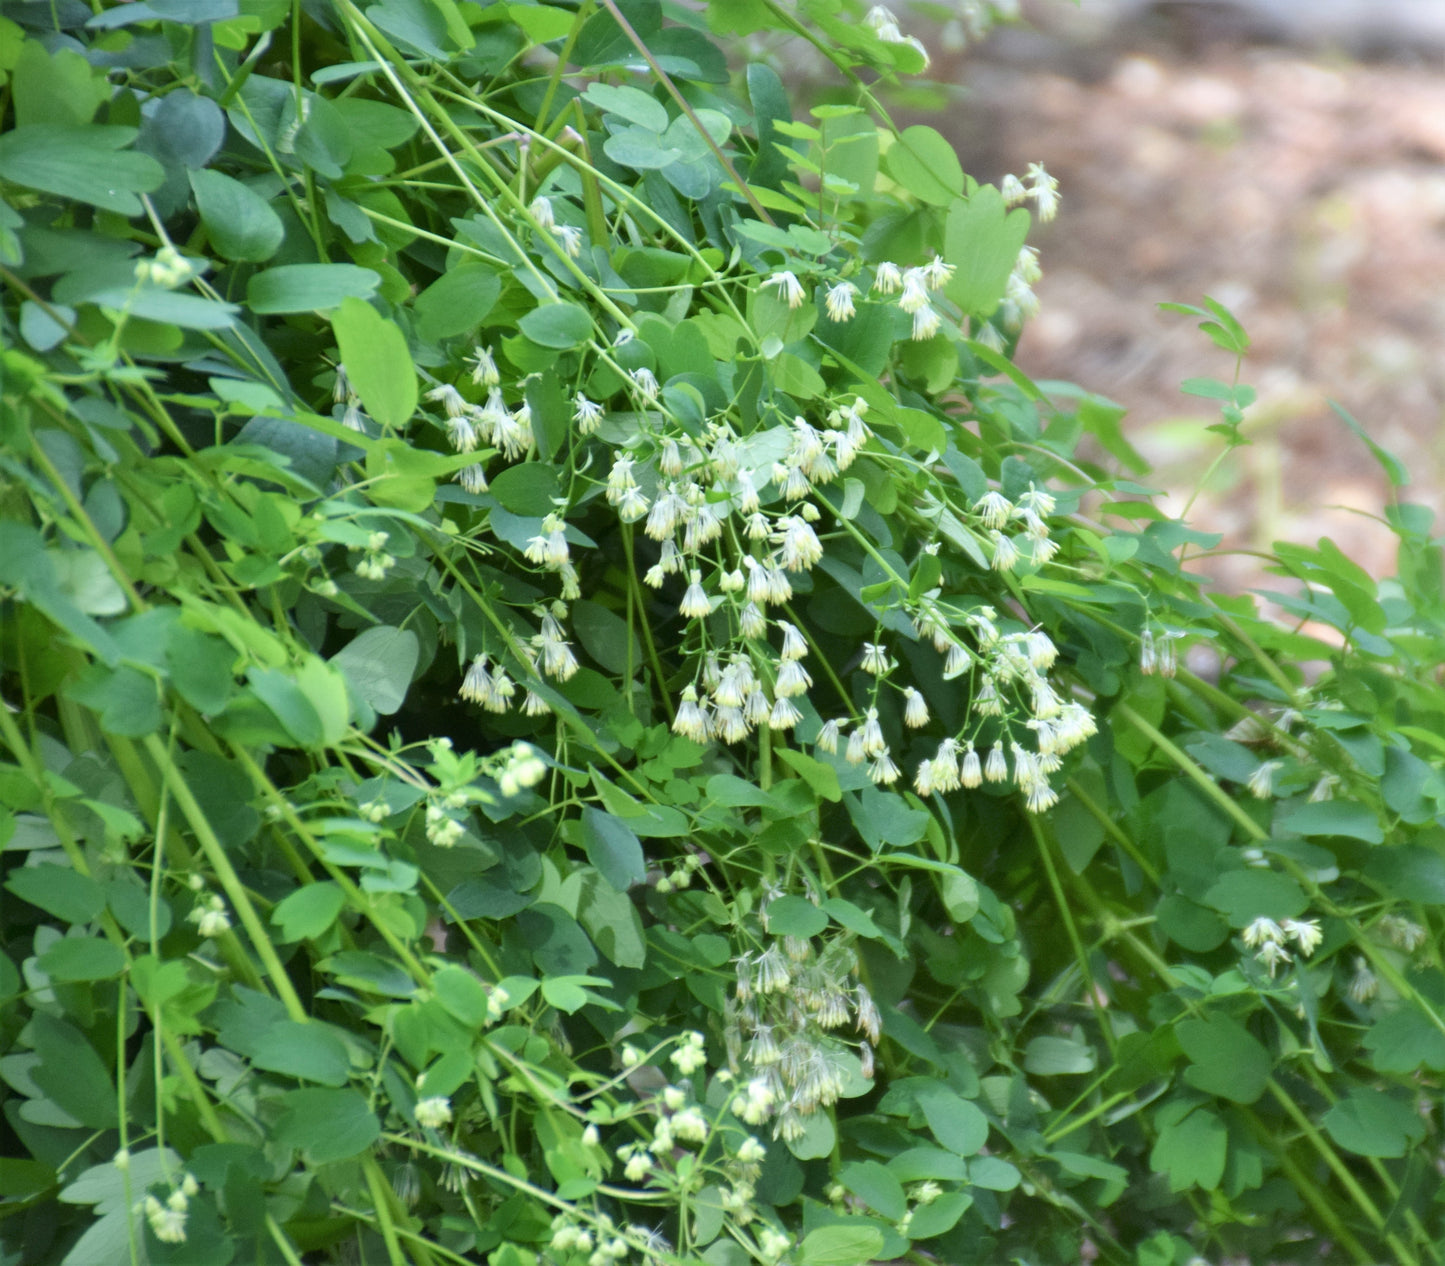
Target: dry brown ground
column 1307, row 194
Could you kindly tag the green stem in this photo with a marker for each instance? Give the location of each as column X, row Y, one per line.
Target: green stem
column 230, row 882
column 1061, row 902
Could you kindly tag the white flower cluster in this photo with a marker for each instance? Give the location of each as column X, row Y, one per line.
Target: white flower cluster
column 1036, row 184
column 433, row 1112
column 167, row 270
column 913, row 286
column 1268, row 938
column 210, row 916
column 569, row 235
column 514, row 767
column 494, row 424
column 604, row 1242
column 702, row 490
column 1157, row 654
column 791, row 1000
column 167, row 1220
column 375, row 562
column 681, row 1125
column 547, row 652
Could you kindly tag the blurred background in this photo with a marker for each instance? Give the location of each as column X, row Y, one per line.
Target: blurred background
column 1284, row 156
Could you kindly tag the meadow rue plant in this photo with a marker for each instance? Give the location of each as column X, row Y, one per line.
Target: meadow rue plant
column 564, row 701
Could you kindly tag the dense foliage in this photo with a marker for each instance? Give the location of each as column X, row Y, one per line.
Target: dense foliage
column 564, row 701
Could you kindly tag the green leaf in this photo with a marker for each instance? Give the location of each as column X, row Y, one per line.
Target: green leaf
column 840, row 1245
column 173, row 307
column 462, row 994
column 456, row 301
column 526, row 489
column 82, row 958
column 55, row 87
column 794, row 916
column 1246, row 895
column 1346, row 818
column 981, row 240
column 110, row 1190
column 820, row 1136
column 184, row 130
column 631, row 104
column 310, row 1052
column 377, row 361
column 309, row 288
column 379, row 664
column 640, row 149
column 955, row 1122
column 326, row 1125
column 1191, row 1151
column 1404, row 1040
column 559, row 325
column 872, row 1183
column 1058, row 1056
column 1374, row 1123
column 925, row 164
column 290, row 705
column 1227, row 1060
column 732, row 792
column 848, row 149
column 70, row 1072
column 67, row 894
column 541, row 24
column 308, row 912
column 1395, row 470
column 1414, row 872
column 558, row 944
column 241, row 224
column 959, row 891
column 90, row 164
column 613, row 848
column 939, row 1216
column 613, row 923
column 605, row 636
column 823, row 779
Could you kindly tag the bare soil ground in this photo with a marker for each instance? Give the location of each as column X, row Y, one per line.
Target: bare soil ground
column 1305, row 192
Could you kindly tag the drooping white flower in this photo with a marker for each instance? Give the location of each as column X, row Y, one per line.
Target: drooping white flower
column 1261, row 782
column 994, row 509
column 1005, row 552
column 1262, row 931
column 937, row 273
column 875, row 658
column 887, row 278
column 691, row 720
column 1305, row 933
column 926, row 323
column 646, row 383
column 995, row 768
column 571, row 238
column 790, row 289
column 915, row 709
column 695, row 603
column 586, row 413
column 1044, row 190
column 541, row 211
column 915, row 290
column 970, row 769
column 434, row 1112
column 451, row 400
column 838, row 302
